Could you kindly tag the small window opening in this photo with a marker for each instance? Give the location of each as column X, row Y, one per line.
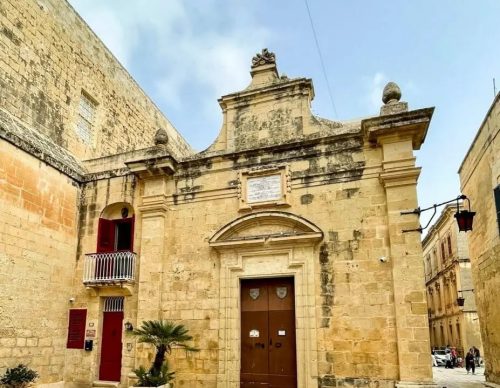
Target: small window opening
column 113, row 304
column 86, row 115
column 123, row 236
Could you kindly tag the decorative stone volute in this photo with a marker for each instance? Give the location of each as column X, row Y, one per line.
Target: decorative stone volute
column 161, row 137
column 390, row 97
column 391, row 93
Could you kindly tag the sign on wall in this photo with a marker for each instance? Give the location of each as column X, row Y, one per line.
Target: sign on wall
column 264, row 188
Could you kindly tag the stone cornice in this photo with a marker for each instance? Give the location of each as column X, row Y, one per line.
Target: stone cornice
column 399, row 126
column 39, row 146
column 153, row 206
column 303, row 85
column 400, row 177
column 164, row 165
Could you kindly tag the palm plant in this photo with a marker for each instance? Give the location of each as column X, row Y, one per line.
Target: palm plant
column 163, row 335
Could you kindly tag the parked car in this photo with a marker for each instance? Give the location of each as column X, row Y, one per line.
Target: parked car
column 440, row 357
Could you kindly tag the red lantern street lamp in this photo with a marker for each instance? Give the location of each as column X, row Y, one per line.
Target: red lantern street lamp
column 461, row 299
column 464, row 217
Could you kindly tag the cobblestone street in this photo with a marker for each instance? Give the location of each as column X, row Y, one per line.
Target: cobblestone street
column 458, row 378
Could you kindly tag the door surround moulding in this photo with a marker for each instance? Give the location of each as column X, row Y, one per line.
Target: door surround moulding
column 295, row 260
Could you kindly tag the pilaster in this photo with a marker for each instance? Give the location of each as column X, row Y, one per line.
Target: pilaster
column 154, row 175
column 399, row 134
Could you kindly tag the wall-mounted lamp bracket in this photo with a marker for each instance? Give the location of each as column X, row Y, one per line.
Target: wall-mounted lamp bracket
column 460, row 298
column 464, row 217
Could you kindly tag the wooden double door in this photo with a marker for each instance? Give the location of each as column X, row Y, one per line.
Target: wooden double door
column 268, row 351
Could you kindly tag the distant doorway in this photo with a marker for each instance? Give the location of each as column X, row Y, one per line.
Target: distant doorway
column 111, row 348
column 268, row 351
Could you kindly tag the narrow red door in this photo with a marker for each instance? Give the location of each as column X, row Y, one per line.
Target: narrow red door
column 111, row 348
column 268, row 352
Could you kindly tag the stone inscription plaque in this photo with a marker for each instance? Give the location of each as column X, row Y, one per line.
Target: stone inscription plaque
column 264, row 188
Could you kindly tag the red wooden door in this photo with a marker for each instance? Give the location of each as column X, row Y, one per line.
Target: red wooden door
column 111, row 348
column 268, row 354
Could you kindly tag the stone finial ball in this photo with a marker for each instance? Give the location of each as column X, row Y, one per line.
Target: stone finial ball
column 391, row 93
column 161, row 137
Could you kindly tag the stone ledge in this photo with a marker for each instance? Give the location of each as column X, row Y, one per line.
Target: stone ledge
column 40, row 146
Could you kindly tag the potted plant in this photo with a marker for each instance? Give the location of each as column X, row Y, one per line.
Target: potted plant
column 19, row 377
column 163, row 335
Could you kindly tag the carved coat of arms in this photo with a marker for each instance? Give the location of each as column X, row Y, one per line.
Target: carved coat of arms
column 281, row 292
column 254, row 293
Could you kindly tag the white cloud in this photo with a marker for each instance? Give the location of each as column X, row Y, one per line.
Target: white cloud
column 204, row 46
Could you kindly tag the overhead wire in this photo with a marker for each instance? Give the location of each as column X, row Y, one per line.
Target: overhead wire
column 321, row 60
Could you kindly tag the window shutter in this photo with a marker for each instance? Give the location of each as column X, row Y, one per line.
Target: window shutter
column 76, row 328
column 106, row 236
column 497, row 204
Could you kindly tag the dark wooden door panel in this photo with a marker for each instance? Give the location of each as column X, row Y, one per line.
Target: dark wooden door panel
column 268, row 354
column 111, row 349
column 254, row 346
column 282, row 358
column 281, row 294
column 254, row 295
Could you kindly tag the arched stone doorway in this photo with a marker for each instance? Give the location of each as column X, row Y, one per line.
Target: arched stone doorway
column 267, row 245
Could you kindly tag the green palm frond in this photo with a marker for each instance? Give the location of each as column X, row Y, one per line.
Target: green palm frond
column 164, row 334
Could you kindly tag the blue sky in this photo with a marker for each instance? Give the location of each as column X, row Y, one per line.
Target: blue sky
column 185, row 54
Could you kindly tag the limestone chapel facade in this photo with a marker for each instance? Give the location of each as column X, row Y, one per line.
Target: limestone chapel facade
column 280, row 247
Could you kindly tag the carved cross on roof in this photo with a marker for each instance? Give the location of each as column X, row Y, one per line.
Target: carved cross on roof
column 264, row 58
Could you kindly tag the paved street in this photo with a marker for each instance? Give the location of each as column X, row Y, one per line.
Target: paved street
column 458, row 378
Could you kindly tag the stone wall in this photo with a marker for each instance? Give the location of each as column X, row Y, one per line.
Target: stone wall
column 479, row 175
column 38, row 242
column 49, row 56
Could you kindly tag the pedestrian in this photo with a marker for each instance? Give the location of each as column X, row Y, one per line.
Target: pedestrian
column 477, row 356
column 470, row 362
column 453, row 357
column 447, row 357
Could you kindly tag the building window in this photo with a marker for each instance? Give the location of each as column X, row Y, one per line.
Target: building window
column 449, row 245
column 115, row 235
column 497, row 204
column 86, row 116
column 443, row 252
column 76, row 328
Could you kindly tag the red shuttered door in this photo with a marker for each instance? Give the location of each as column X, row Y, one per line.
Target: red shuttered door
column 111, row 349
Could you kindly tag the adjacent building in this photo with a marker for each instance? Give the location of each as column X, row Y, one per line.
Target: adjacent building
column 280, row 247
column 447, row 278
column 480, row 181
